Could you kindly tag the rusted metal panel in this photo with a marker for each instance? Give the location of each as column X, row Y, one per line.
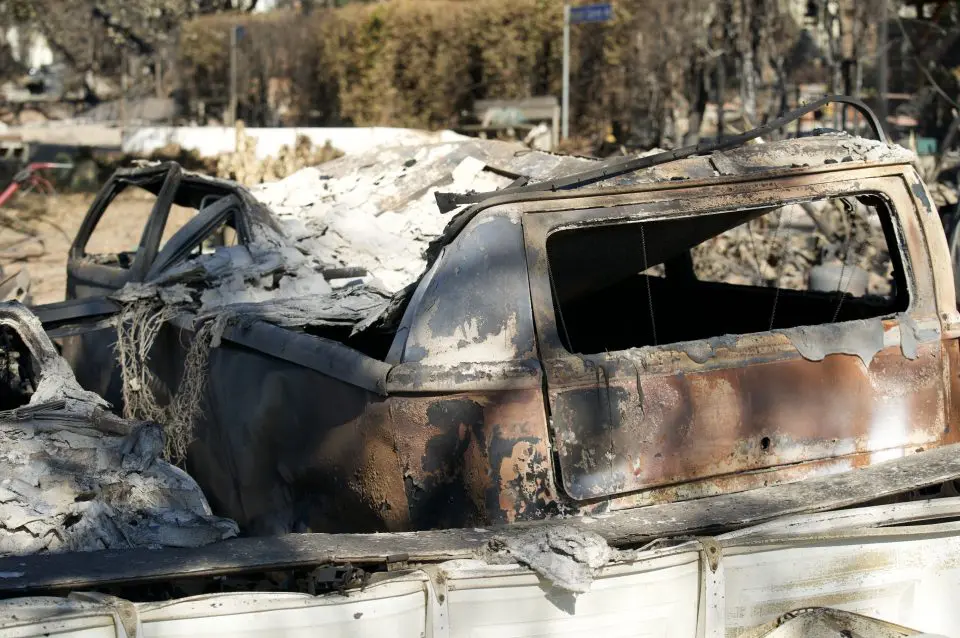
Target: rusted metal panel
column 285, row 448
column 639, row 426
column 474, row 458
column 679, row 428
column 281, row 447
column 467, row 403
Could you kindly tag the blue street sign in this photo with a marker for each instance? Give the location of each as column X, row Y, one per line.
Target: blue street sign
column 591, row 13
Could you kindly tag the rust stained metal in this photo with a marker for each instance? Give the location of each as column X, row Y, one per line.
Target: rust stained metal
column 466, row 399
column 741, row 418
column 474, row 458
column 650, row 424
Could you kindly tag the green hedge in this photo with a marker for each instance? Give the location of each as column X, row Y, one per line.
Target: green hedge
column 416, row 63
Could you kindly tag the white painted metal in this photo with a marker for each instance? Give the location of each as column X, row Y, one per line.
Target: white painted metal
column 901, row 576
column 859, row 518
column 211, row 141
column 394, row 608
column 866, row 561
column 58, row 618
column 656, row 597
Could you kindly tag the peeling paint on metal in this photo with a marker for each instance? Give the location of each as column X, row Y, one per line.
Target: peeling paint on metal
column 912, row 334
column 863, row 339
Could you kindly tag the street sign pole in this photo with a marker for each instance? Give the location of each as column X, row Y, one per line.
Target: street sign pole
column 231, row 115
column 565, row 106
column 578, row 15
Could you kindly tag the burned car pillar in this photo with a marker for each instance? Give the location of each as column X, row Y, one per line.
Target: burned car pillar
column 468, row 407
column 449, row 431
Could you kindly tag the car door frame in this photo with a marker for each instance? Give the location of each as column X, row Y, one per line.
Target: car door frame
column 196, row 230
column 607, row 375
column 82, row 271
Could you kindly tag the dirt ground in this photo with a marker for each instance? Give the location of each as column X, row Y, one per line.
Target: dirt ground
column 36, row 232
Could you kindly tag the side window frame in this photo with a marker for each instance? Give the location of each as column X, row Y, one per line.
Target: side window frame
column 148, row 246
column 644, row 425
column 682, row 202
column 198, row 229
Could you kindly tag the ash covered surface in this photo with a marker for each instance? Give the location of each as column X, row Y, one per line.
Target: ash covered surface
column 378, row 210
column 565, row 556
column 376, row 213
column 73, row 476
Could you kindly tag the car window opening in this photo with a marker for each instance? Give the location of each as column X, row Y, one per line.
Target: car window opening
column 116, row 238
column 223, row 236
column 634, row 284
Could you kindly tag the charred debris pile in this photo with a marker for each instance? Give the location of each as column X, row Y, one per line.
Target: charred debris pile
column 74, row 477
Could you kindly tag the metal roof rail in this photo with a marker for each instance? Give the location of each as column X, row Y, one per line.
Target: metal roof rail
column 450, row 201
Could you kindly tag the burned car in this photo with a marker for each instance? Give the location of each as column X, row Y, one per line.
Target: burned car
column 652, row 394
column 698, row 328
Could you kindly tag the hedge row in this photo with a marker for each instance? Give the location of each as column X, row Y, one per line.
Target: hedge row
column 417, row 63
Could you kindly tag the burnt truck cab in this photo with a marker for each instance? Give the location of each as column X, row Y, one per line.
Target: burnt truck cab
column 656, row 338
column 566, row 353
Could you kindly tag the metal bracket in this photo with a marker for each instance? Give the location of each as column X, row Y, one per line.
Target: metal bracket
column 397, row 562
column 712, row 551
column 334, row 578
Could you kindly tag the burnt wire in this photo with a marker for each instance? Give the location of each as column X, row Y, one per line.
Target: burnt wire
column 779, row 269
column 756, row 255
column 841, row 289
column 563, row 324
column 643, row 247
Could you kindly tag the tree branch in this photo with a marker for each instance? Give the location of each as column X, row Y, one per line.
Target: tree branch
column 923, row 68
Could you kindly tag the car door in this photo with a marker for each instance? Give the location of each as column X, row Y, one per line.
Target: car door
column 83, row 324
column 712, row 399
column 99, row 270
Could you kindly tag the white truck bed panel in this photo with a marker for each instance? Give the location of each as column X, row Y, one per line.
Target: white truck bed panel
column 907, row 575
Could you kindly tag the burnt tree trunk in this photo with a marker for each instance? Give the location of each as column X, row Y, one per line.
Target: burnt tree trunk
column 748, row 78
column 698, row 104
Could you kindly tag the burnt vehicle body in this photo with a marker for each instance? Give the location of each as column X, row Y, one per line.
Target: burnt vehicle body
column 540, row 366
column 88, row 276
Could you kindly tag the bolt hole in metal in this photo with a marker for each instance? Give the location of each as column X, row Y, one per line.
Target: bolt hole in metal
column 765, row 443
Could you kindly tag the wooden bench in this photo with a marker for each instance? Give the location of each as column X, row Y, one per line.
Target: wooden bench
column 495, row 116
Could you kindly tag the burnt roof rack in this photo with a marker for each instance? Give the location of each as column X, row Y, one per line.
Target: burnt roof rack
column 450, row 201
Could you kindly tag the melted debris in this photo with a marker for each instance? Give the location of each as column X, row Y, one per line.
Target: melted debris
column 75, row 477
column 566, row 556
